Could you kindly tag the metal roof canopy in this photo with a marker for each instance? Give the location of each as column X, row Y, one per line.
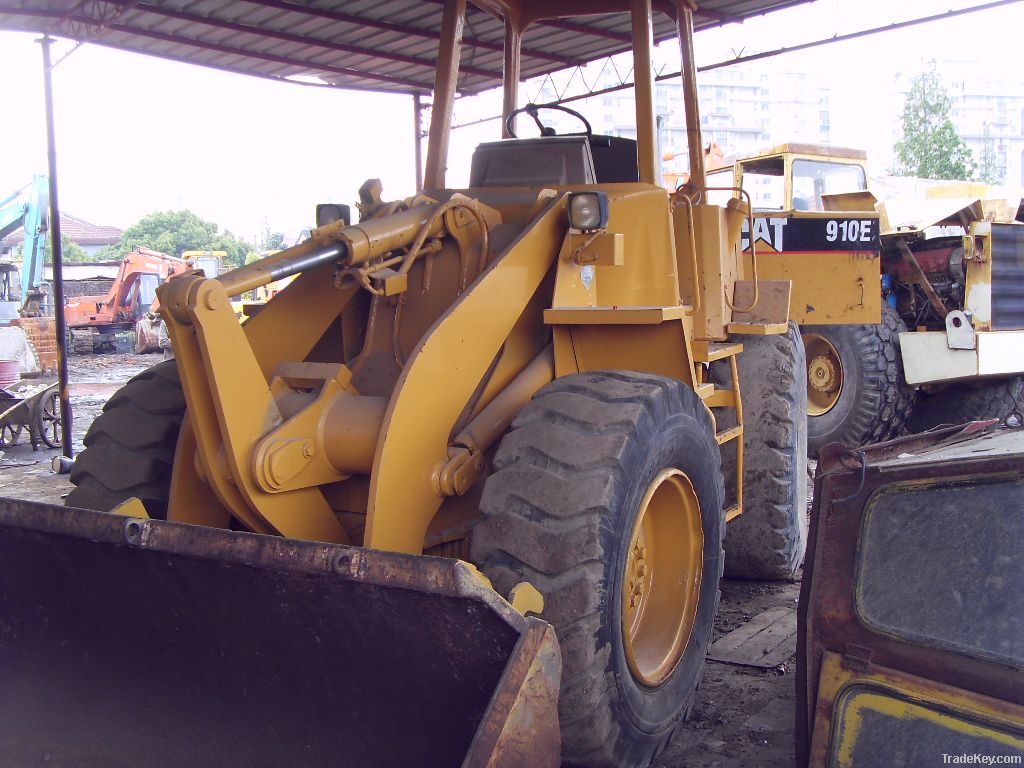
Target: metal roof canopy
column 375, row 45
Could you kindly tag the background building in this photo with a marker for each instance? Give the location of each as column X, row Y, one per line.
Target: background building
column 89, row 237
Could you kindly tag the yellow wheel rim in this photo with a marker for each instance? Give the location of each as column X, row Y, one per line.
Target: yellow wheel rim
column 824, row 374
column 661, row 587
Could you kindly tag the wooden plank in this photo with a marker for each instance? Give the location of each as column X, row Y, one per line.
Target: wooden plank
column 767, row 640
column 757, row 329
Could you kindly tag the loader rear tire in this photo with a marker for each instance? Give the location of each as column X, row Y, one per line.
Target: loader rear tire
column 608, row 479
column 857, row 394
column 967, row 401
column 129, row 448
column 767, row 542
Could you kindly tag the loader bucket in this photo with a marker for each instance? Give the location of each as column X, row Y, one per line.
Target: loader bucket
column 128, row 642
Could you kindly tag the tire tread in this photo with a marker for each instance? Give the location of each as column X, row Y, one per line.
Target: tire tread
column 546, row 507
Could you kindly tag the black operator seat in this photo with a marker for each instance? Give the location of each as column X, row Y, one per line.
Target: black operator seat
column 615, row 159
column 554, row 161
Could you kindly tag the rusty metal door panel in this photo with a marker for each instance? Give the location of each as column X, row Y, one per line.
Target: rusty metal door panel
column 1007, row 276
column 911, row 567
column 141, row 643
column 882, row 718
column 939, row 565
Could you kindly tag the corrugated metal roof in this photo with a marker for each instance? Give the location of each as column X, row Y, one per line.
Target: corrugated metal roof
column 379, row 45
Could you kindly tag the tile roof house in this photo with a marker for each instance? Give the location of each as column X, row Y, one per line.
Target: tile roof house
column 90, row 237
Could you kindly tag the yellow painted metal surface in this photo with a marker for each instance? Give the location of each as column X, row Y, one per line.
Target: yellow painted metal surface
column 660, row 349
column 259, row 447
column 458, row 351
column 246, row 411
column 202, row 492
column 790, row 153
column 192, row 499
column 201, row 430
column 763, row 302
column 708, row 352
column 643, row 77
column 757, row 329
column 661, row 584
column 978, row 299
column 719, row 266
column 132, row 507
column 613, row 315
column 824, row 374
column 846, row 697
column 606, row 249
column 828, row 288
column 526, row 598
column 647, row 276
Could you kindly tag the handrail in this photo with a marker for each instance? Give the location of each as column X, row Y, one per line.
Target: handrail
column 693, row 253
column 753, row 249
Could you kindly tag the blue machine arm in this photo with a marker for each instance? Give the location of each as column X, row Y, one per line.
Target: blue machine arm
column 37, row 225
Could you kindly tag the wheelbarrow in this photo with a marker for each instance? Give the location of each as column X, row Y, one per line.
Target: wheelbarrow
column 32, row 406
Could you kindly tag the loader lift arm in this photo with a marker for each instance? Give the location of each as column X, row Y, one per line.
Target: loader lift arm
column 277, row 463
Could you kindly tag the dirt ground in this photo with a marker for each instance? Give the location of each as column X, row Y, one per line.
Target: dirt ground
column 27, row 474
column 743, row 715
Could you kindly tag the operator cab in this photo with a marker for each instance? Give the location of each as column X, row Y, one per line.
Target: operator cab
column 792, row 177
column 550, row 159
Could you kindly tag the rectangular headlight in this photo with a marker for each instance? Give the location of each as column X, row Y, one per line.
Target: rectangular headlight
column 327, row 213
column 588, row 211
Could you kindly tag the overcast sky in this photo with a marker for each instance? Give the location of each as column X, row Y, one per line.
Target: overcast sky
column 138, row 134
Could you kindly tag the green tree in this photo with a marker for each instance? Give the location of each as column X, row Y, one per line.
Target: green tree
column 174, row 232
column 70, row 251
column 931, row 148
column 988, row 172
column 273, row 241
column 109, row 253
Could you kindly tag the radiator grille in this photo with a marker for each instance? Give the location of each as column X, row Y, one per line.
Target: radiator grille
column 1007, row 276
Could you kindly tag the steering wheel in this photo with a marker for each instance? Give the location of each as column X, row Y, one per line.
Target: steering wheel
column 531, row 110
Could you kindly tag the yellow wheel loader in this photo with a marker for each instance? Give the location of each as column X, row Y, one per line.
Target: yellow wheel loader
column 331, row 521
column 909, row 304
column 856, row 392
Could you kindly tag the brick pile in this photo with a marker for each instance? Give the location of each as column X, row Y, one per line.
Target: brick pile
column 42, row 333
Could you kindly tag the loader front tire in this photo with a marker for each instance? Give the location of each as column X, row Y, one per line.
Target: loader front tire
column 129, row 448
column 607, row 496
column 768, row 540
column 856, row 391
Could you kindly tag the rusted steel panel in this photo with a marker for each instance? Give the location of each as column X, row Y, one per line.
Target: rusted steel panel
column 143, row 643
column 979, row 456
column 1007, row 276
column 364, row 45
column 882, row 717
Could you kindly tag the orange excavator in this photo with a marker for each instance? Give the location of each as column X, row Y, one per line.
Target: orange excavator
column 94, row 321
